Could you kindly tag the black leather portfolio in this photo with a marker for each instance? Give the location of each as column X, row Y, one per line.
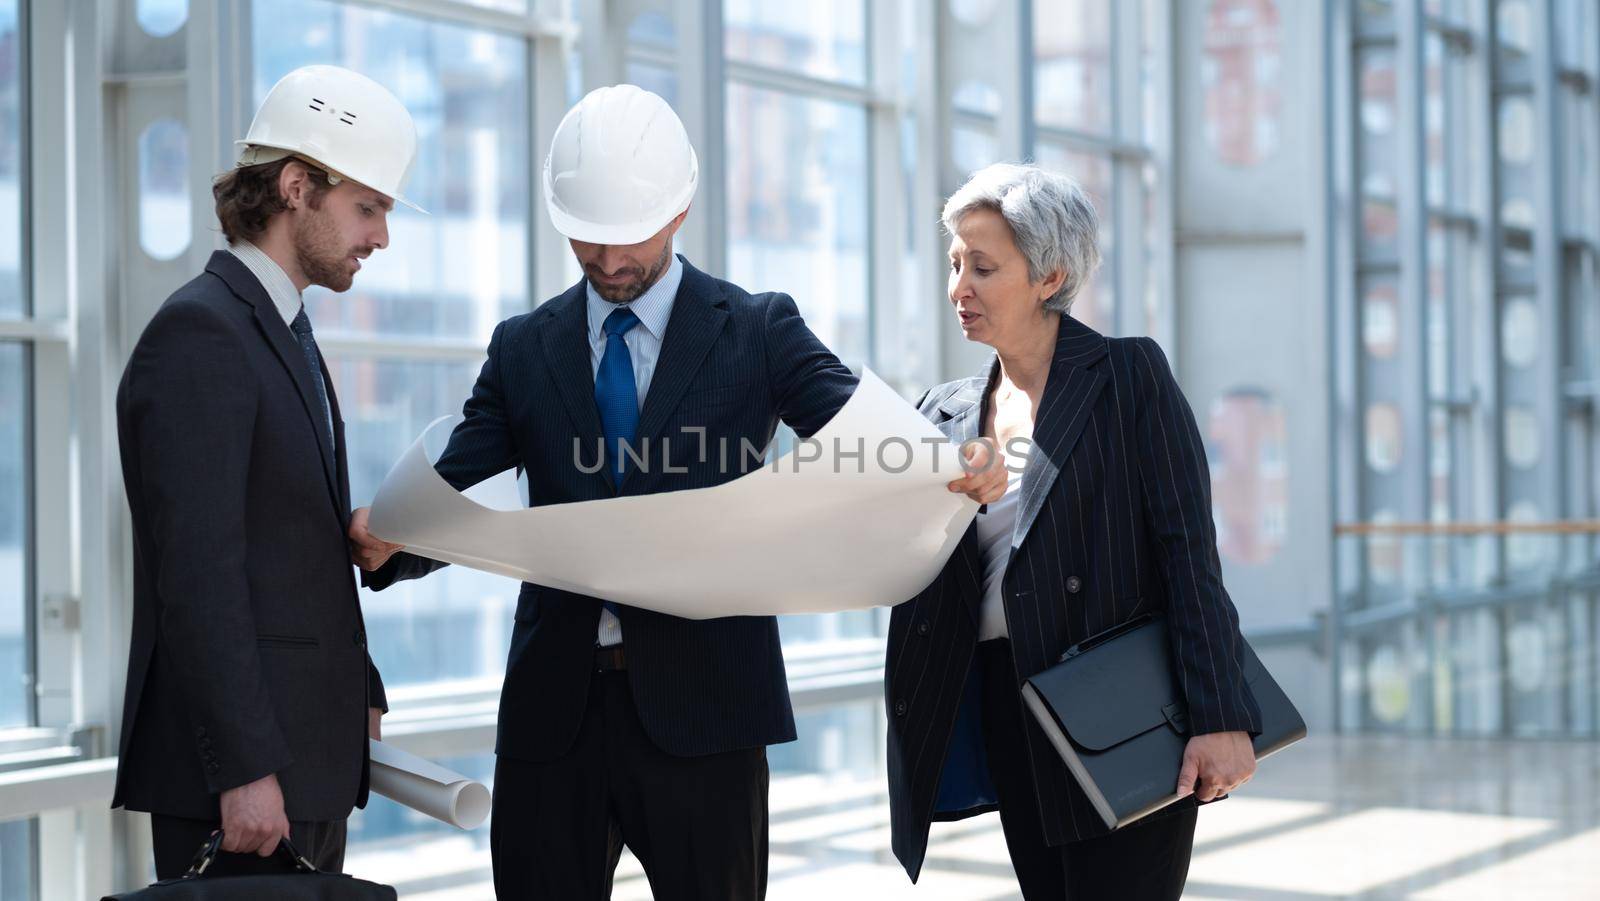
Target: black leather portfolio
column 1113, row 709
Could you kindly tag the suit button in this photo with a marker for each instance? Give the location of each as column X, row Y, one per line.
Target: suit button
column 205, row 743
column 900, row 708
column 200, row 731
column 1074, row 584
column 213, row 768
column 361, row 639
column 923, row 628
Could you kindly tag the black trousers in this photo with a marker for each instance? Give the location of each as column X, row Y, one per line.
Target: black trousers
column 697, row 824
column 176, row 840
column 1145, row 862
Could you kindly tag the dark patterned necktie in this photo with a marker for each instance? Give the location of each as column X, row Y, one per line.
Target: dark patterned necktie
column 308, row 346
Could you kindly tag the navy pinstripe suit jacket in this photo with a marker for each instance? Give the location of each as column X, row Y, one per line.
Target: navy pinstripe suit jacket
column 1114, row 520
column 731, row 363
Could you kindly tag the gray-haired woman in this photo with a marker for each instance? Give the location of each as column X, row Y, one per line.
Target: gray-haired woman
column 1106, row 517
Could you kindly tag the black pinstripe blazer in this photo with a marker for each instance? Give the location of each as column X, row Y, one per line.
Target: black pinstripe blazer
column 1113, row 520
column 731, row 363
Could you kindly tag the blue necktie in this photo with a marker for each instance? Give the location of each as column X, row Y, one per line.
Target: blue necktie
column 617, row 397
column 615, row 393
column 308, row 346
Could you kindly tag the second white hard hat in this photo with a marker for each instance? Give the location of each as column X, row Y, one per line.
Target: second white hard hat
column 620, row 167
column 341, row 120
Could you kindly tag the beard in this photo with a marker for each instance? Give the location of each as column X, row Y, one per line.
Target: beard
column 321, row 254
column 635, row 287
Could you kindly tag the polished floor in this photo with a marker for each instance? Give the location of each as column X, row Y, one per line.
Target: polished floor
column 1434, row 820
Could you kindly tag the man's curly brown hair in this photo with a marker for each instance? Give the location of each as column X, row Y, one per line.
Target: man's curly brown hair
column 247, row 198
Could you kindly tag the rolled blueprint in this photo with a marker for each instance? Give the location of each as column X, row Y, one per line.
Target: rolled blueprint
column 422, row 785
column 858, row 517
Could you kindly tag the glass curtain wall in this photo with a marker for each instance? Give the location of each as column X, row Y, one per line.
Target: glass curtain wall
column 1466, row 595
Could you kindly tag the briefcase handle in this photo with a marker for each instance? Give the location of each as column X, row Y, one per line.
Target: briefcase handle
column 1100, row 638
column 213, row 846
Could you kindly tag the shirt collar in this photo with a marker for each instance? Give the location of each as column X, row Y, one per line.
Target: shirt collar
column 271, row 276
column 653, row 307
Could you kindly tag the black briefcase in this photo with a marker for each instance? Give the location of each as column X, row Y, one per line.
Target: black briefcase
column 1113, row 709
column 300, row 881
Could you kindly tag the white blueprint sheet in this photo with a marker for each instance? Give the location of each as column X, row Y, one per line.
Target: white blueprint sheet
column 846, row 531
column 426, row 786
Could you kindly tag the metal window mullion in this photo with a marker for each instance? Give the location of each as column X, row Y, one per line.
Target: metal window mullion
column 651, row 55
column 1549, row 274
column 527, row 25
column 1412, row 281
column 1345, row 488
column 43, row 331
column 602, row 39
column 1093, row 143
column 547, row 105
column 1127, row 291
column 1412, row 208
column 1164, row 328
column 351, row 348
column 797, row 83
column 1027, row 68
column 932, row 121
column 886, row 192
column 702, row 105
column 961, row 52
column 1487, row 482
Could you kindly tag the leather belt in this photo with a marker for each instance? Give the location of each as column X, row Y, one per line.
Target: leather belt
column 610, row 659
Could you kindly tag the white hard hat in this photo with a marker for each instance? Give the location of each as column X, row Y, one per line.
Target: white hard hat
column 620, row 167
column 341, row 120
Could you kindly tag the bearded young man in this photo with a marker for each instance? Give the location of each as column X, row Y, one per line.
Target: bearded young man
column 250, row 693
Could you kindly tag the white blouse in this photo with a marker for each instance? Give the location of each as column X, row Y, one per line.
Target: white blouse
column 995, row 527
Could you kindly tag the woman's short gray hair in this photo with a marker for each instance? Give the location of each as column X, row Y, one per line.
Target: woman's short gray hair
column 1054, row 223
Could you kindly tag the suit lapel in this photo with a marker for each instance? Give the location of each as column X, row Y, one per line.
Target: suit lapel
column 698, row 315
column 566, row 347
column 1069, row 396
column 963, row 410
column 248, row 288
column 341, row 451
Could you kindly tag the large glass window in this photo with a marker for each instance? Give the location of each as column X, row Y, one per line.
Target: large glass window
column 825, row 39
column 797, row 208
column 447, row 278
column 15, row 494
column 1111, row 149
column 18, row 860
column 458, row 270
column 1072, row 64
column 13, row 299
column 16, row 480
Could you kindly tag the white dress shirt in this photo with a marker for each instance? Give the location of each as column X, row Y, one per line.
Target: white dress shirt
column 654, row 309
column 272, row 277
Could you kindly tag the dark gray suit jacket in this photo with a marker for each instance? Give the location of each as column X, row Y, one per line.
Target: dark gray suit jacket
column 1113, row 521
column 732, row 364
column 249, row 651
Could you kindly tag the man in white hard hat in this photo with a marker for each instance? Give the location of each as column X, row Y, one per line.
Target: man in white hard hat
column 250, row 693
column 620, row 726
